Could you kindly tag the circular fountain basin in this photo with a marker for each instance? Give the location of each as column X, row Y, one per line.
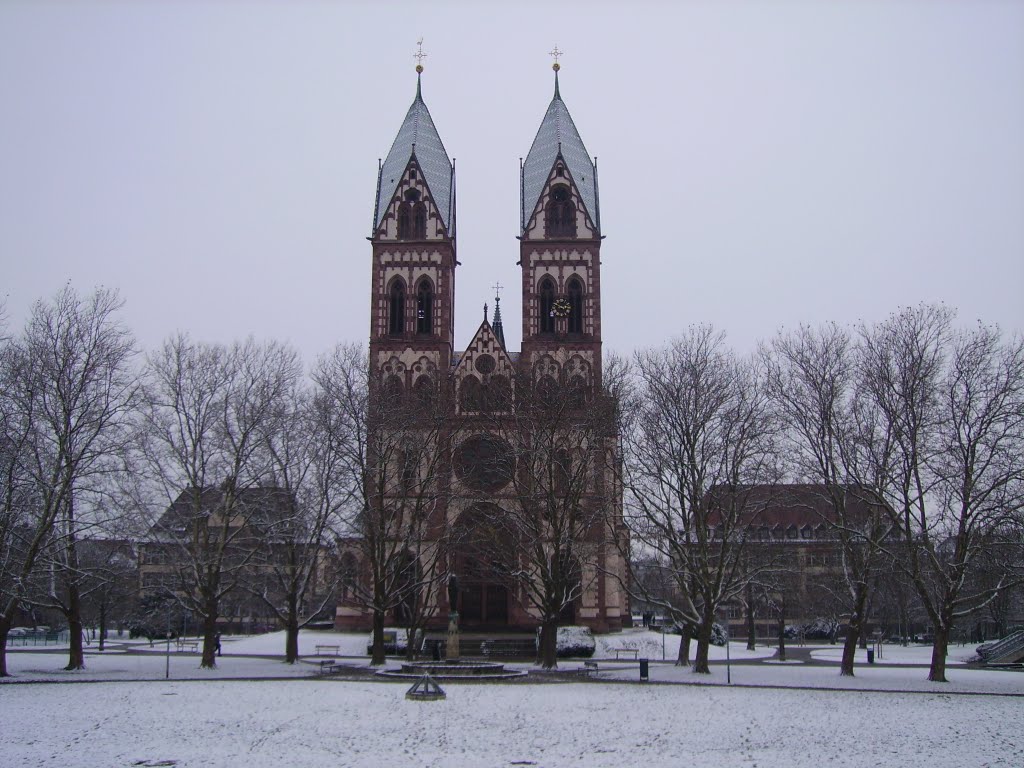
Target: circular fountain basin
column 454, row 669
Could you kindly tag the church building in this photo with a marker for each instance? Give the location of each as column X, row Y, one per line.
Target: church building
column 413, row 352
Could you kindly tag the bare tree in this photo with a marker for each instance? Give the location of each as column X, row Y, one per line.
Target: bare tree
column 77, row 392
column 552, row 448
column 391, row 450
column 25, row 524
column 207, row 412
column 954, row 404
column 702, row 439
column 292, row 572
column 812, row 379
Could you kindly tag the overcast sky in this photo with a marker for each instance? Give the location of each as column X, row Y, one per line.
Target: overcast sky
column 761, row 164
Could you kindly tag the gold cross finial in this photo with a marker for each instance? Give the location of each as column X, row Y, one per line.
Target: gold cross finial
column 419, row 55
column 497, row 290
column 555, row 53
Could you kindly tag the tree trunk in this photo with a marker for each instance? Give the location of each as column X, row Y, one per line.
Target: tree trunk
column 937, row 671
column 291, row 632
column 5, row 629
column 548, row 649
column 209, row 637
column 103, row 623
column 377, row 658
column 782, row 634
column 751, row 628
column 291, row 638
column 700, row 662
column 683, row 659
column 854, row 631
column 76, row 652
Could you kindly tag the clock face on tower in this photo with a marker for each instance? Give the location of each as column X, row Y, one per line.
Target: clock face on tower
column 484, row 463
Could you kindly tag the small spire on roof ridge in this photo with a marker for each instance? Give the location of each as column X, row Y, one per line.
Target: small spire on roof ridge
column 485, row 311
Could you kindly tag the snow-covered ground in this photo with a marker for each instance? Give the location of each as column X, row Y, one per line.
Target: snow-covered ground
column 255, row 711
column 334, row 723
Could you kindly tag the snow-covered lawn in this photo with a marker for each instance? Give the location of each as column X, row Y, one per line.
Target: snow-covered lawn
column 333, row 723
column 260, row 657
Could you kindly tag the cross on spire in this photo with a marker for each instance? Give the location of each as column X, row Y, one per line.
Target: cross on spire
column 419, row 55
column 555, row 53
column 497, row 291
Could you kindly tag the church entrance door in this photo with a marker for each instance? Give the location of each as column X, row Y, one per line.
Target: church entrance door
column 483, row 576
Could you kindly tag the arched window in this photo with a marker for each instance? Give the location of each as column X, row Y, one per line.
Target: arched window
column 575, row 290
column 547, row 302
column 469, row 394
column 392, row 391
column 348, row 573
column 396, row 309
column 500, row 393
column 424, row 308
column 419, row 221
column 423, row 389
column 560, row 215
column 547, row 391
column 578, row 392
column 408, row 468
column 404, row 221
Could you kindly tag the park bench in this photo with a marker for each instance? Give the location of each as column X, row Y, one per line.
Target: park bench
column 327, row 666
column 188, row 645
column 628, row 652
column 321, row 649
column 589, row 668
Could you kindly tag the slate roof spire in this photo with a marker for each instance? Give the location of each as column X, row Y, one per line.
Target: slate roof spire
column 557, row 136
column 499, row 329
column 418, row 138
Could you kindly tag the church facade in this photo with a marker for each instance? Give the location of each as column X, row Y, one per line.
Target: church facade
column 413, row 354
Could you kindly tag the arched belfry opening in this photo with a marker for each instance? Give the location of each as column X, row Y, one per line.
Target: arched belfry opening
column 424, row 307
column 560, row 214
column 396, row 308
column 574, row 289
column 547, row 305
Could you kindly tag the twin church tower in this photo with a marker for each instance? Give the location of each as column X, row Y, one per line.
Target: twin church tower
column 414, row 256
column 412, row 343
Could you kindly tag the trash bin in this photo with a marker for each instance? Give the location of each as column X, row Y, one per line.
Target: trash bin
column 871, row 655
column 644, row 669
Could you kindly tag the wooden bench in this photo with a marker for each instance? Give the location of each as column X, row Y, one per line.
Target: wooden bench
column 631, row 652
column 335, row 649
column 188, row 645
column 589, row 668
column 327, row 666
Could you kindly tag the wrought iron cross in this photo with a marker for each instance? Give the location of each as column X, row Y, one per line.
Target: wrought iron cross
column 497, row 290
column 419, row 55
column 555, row 53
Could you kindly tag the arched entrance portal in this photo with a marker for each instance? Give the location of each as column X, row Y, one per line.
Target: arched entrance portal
column 482, row 551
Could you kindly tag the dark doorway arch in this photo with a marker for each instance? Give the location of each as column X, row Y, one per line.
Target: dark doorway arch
column 482, row 563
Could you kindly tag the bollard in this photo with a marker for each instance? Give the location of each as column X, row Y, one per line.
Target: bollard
column 644, row 669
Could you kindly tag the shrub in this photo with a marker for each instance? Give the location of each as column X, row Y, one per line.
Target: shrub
column 573, row 641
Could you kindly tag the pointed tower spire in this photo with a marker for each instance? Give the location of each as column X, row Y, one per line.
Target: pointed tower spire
column 557, row 138
column 418, row 138
column 499, row 329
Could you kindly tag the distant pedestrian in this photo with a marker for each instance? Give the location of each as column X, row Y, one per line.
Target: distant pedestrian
column 216, row 639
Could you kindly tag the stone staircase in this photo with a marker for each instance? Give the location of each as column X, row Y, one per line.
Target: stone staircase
column 1009, row 650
